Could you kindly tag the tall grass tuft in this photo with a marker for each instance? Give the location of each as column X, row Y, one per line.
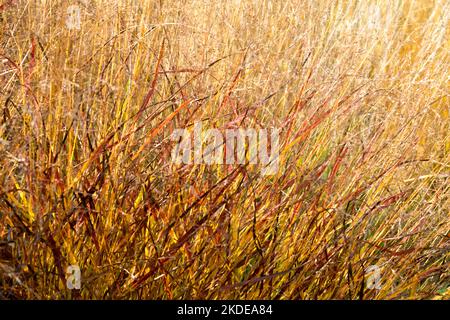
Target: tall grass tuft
column 360, row 90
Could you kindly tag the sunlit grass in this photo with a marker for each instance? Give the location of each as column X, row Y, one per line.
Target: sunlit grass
column 360, row 90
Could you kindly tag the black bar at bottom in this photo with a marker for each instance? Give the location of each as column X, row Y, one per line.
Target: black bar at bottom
column 213, row 309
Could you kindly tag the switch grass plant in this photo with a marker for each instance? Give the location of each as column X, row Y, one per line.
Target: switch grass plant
column 359, row 89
